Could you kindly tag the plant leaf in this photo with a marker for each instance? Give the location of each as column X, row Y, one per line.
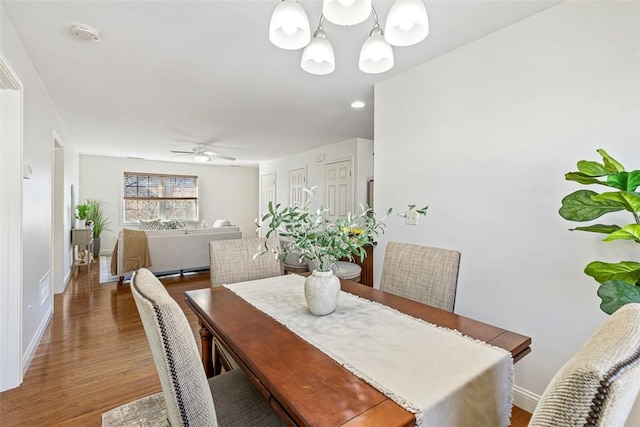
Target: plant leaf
column 598, row 228
column 630, row 200
column 582, row 178
column 580, row 206
column 592, row 168
column 628, row 232
column 612, row 165
column 625, row 181
column 624, row 271
column 615, row 293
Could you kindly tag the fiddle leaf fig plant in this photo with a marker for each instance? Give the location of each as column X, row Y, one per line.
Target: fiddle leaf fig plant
column 619, row 282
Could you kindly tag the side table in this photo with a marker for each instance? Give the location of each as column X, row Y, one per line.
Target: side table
column 82, row 242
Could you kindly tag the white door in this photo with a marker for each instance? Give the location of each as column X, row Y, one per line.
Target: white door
column 267, row 193
column 297, row 184
column 339, row 188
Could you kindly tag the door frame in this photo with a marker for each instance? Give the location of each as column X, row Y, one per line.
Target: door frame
column 11, row 173
column 260, row 231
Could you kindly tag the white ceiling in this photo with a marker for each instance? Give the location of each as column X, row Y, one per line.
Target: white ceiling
column 169, row 74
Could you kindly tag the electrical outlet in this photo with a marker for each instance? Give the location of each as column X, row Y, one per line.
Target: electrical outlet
column 411, row 218
column 29, row 312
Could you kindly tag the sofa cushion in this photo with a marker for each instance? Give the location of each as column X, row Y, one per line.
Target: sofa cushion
column 221, row 223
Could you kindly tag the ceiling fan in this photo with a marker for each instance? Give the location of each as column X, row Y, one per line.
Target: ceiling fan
column 201, row 153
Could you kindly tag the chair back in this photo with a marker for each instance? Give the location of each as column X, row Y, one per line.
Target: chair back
column 184, row 383
column 421, row 273
column 599, row 384
column 292, row 262
column 232, row 261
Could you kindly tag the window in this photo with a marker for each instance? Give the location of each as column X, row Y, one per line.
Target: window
column 153, row 196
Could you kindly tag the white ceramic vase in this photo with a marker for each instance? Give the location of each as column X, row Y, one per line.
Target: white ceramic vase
column 322, row 290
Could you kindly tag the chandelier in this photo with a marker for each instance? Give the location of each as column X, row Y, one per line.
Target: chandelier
column 406, row 25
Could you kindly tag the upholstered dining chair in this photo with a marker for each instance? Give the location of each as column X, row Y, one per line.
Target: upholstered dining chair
column 599, row 384
column 421, row 273
column 232, row 261
column 292, row 262
column 229, row 399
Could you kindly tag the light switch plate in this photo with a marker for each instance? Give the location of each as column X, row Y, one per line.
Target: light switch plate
column 411, row 218
column 27, row 172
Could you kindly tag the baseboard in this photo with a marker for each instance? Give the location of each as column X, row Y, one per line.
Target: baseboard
column 65, row 281
column 525, row 399
column 35, row 342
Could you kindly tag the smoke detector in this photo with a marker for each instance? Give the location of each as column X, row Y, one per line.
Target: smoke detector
column 85, row 32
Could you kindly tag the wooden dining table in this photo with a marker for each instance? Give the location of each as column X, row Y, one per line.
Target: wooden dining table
column 303, row 384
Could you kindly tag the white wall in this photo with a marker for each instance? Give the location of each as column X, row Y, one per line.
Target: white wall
column 40, row 121
column 224, row 192
column 357, row 149
column 485, row 134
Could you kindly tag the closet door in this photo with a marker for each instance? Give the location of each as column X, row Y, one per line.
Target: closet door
column 297, row 184
column 339, row 188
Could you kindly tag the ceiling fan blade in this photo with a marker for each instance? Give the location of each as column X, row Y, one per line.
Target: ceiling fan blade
column 181, row 152
column 220, row 156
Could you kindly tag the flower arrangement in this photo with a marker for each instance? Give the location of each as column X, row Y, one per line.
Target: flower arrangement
column 319, row 241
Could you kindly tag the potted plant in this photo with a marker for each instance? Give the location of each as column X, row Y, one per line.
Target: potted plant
column 323, row 243
column 100, row 222
column 620, row 281
column 82, row 212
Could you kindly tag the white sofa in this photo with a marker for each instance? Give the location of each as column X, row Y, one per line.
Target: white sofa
column 179, row 250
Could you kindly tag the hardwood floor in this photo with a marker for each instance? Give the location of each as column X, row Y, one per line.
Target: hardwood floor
column 94, row 356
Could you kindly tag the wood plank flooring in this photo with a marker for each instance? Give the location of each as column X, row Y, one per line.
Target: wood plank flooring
column 94, row 356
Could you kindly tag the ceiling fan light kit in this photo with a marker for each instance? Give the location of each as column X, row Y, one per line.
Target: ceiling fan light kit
column 202, row 154
column 201, row 158
column 407, row 24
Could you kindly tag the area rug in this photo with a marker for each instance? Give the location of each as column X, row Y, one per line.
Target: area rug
column 148, row 411
column 105, row 271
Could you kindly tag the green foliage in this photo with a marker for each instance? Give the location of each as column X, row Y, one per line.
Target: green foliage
column 83, row 211
column 314, row 239
column 96, row 214
column 619, row 282
column 625, row 271
column 580, row 206
column 615, row 293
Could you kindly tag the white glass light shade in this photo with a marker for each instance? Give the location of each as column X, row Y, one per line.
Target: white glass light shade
column 289, row 27
column 200, row 157
column 318, row 57
column 376, row 55
column 346, row 12
column 407, row 23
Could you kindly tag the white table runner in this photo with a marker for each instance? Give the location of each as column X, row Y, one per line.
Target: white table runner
column 444, row 378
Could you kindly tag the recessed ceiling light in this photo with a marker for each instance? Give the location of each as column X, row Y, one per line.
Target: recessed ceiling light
column 357, row 104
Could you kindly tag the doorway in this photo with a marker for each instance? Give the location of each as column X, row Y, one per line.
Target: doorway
column 11, row 94
column 267, row 194
column 58, row 225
